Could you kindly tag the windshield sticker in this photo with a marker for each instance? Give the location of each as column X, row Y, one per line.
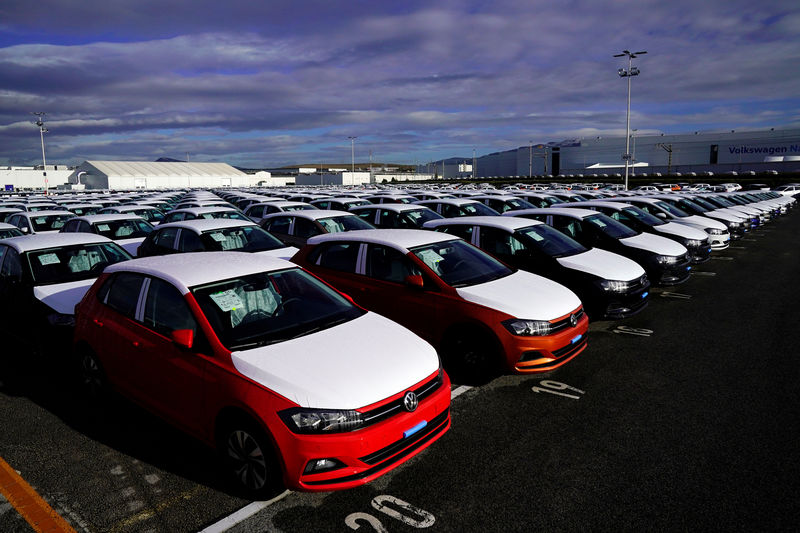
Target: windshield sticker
column 227, row 300
column 597, row 222
column 535, row 236
column 103, row 227
column 219, row 237
column 49, row 259
column 430, row 258
column 40, row 220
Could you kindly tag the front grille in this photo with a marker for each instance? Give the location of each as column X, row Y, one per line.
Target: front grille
column 386, row 410
column 555, row 327
column 388, row 451
column 570, row 348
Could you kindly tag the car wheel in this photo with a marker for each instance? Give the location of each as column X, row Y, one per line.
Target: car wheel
column 249, row 458
column 92, row 377
column 470, row 357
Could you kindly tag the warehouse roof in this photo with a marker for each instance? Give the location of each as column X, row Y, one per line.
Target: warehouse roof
column 153, row 169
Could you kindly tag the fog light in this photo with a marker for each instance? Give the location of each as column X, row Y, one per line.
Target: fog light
column 316, row 466
column 530, row 356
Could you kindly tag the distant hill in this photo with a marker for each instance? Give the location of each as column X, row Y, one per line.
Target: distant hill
column 168, row 160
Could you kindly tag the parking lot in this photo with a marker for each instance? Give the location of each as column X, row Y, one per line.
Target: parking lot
column 682, row 417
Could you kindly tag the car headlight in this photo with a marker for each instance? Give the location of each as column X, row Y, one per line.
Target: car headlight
column 528, row 328
column 734, row 225
column 667, row 259
column 321, row 421
column 715, row 231
column 611, row 285
column 694, row 243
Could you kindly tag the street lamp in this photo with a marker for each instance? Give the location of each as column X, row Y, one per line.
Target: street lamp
column 530, row 159
column 629, row 73
column 352, row 156
column 42, row 130
column 633, row 152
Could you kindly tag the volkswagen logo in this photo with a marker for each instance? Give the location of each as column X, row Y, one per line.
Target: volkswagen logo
column 410, row 402
column 573, row 320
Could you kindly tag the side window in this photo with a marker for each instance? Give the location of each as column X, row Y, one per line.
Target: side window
column 84, row 227
column 367, row 214
column 21, row 222
column 388, row 264
column 497, row 242
column 173, row 217
column 256, row 211
column 70, row 227
column 388, row 219
column 305, row 228
column 278, row 225
column 122, row 294
column 325, row 204
column 11, row 268
column 621, row 216
column 166, row 238
column 498, row 205
column 450, row 211
column 190, row 242
column 165, row 310
column 459, row 230
column 341, row 256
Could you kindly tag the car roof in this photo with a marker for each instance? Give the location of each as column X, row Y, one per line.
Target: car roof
column 47, row 212
column 449, row 201
column 41, row 241
column 599, row 203
column 108, row 217
column 204, row 210
column 199, row 225
column 396, row 238
column 575, row 212
column 197, row 268
column 508, row 223
column 312, row 214
column 391, row 207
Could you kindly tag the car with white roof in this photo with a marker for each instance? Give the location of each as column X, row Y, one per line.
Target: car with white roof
column 256, row 358
column 503, row 202
column 736, row 223
column 191, row 213
column 296, row 227
column 608, row 284
column 458, row 207
column 43, row 276
column 151, row 214
column 216, row 235
column 31, row 223
column 402, row 216
column 481, row 315
column 339, row 203
column 665, row 261
column 695, row 240
column 9, row 230
column 257, row 212
column 126, row 230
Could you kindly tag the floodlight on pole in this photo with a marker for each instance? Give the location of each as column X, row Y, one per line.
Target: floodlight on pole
column 352, row 154
column 42, row 130
column 630, row 72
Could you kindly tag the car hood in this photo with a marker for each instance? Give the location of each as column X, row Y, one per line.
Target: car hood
column 655, row 244
column 523, row 295
column 719, row 214
column 287, row 252
column 697, row 220
column 348, row 366
column 62, row 297
column 603, row 264
column 131, row 245
column 681, row 230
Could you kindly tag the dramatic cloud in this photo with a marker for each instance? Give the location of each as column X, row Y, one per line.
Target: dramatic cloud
column 271, row 83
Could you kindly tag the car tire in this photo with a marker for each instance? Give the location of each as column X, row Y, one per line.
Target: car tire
column 92, row 377
column 470, row 357
column 250, row 460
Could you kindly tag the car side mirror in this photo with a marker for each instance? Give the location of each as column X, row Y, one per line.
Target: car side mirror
column 184, row 338
column 662, row 215
column 415, row 281
column 24, row 230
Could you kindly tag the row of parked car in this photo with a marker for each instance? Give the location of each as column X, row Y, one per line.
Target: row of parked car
column 314, row 349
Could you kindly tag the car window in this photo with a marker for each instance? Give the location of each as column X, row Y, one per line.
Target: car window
column 50, row 222
column 388, row 264
column 70, row 227
column 451, row 211
column 388, row 219
column 341, row 256
column 73, row 263
column 499, row 242
column 11, row 268
column 278, row 225
column 165, row 238
column 367, row 215
column 568, row 225
column 417, row 217
column 244, row 238
column 165, row 309
column 173, row 217
column 459, row 264
column 305, row 228
column 122, row 293
column 459, row 230
column 549, row 241
column 256, row 211
column 189, row 241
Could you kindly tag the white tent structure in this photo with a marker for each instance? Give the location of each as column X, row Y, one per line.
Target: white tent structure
column 128, row 175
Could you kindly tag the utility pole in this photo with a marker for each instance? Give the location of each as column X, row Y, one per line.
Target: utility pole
column 352, row 156
column 473, row 163
column 629, row 73
column 42, row 130
column 530, row 159
column 668, row 148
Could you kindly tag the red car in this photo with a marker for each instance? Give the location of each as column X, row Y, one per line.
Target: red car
column 257, row 357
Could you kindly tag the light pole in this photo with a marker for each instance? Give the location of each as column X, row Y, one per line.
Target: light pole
column 42, row 130
column 352, row 156
column 633, row 152
column 629, row 73
column 530, row 159
column 473, row 163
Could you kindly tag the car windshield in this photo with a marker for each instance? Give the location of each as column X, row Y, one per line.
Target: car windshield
column 299, row 207
column 549, row 241
column 243, row 238
column 476, row 209
column 610, row 227
column 515, row 204
column 123, row 229
column 235, row 215
column 710, row 203
column 671, row 209
column 459, row 264
column 73, row 263
column 49, row 222
column 10, row 232
column 344, row 223
column 646, row 218
column 690, row 206
column 269, row 307
column 150, row 215
column 418, row 217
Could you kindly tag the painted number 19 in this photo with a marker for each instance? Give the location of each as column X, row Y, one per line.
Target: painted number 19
column 557, row 388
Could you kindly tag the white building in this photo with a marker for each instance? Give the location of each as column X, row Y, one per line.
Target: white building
column 30, row 178
column 129, row 175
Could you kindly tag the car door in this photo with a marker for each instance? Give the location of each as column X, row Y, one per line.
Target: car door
column 280, row 227
column 16, row 296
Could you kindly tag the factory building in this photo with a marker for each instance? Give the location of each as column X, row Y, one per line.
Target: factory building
column 129, row 175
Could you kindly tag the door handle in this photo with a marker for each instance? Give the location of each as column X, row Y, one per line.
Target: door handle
column 98, row 322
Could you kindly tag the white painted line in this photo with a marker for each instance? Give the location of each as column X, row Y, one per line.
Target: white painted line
column 459, row 391
column 249, row 510
column 242, row 514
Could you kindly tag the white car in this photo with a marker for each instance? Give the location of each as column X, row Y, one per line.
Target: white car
column 127, row 230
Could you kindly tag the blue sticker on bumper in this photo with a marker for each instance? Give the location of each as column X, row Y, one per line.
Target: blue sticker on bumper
column 416, row 428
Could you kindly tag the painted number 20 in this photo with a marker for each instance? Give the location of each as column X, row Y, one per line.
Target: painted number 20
column 395, row 508
column 553, row 387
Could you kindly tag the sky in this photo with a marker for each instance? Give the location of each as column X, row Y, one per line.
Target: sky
column 262, row 84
